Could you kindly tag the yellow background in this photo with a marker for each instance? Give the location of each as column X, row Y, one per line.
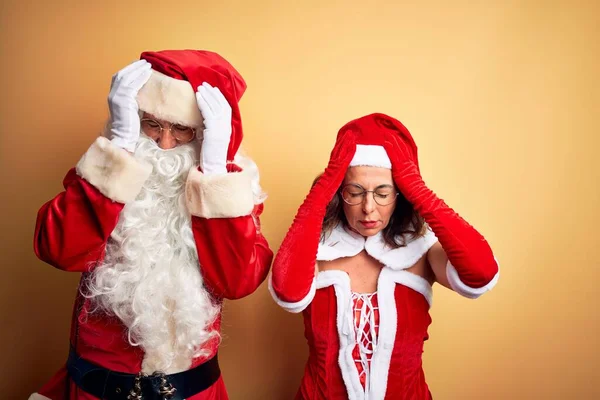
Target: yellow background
column 502, row 98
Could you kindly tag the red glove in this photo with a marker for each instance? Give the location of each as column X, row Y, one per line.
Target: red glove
column 294, row 266
column 468, row 251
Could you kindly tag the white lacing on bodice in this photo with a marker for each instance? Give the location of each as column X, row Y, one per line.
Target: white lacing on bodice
column 364, row 317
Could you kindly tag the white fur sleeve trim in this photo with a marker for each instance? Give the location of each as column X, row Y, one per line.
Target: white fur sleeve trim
column 37, row 396
column 113, row 171
column 298, row 306
column 219, row 196
column 459, row 287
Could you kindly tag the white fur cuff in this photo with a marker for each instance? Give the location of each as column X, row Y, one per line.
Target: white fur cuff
column 37, row 396
column 459, row 287
column 219, row 196
column 297, row 306
column 113, row 171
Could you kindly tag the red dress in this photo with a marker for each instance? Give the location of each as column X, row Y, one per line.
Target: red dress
column 374, row 353
column 71, row 233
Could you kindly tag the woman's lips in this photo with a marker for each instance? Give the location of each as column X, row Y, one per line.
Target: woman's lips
column 369, row 224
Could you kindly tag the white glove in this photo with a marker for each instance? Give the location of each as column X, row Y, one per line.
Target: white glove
column 123, row 106
column 216, row 112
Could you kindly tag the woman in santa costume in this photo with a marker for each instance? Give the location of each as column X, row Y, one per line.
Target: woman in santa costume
column 161, row 217
column 359, row 262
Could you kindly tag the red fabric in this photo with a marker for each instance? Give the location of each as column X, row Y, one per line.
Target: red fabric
column 71, row 234
column 294, row 266
column 197, row 67
column 373, row 129
column 237, row 245
column 72, row 229
column 322, row 378
column 467, row 249
column 234, row 258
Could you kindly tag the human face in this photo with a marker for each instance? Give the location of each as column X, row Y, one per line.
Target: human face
column 367, row 217
column 166, row 134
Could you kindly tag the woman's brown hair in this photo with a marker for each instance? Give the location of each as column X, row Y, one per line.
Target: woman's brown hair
column 404, row 220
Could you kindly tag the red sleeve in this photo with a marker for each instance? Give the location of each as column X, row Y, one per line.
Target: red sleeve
column 234, row 256
column 72, row 229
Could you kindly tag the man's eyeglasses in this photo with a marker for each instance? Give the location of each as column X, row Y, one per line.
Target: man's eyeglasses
column 152, row 128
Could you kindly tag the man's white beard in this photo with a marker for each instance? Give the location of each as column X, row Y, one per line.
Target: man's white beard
column 150, row 276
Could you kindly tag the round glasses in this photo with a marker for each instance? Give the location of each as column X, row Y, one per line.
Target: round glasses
column 152, row 128
column 354, row 195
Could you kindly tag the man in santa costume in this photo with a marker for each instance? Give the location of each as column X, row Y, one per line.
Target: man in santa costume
column 161, row 217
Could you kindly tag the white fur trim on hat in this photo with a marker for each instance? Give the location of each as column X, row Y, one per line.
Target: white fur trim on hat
column 370, row 156
column 113, row 171
column 219, row 196
column 459, row 287
column 37, row 396
column 171, row 99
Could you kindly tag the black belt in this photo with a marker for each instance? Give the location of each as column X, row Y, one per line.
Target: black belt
column 111, row 385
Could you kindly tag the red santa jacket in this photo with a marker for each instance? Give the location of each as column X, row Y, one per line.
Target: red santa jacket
column 73, row 228
column 403, row 299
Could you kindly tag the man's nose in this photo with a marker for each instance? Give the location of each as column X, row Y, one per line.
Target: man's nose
column 166, row 140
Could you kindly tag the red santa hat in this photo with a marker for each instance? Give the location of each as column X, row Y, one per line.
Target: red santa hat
column 370, row 133
column 170, row 93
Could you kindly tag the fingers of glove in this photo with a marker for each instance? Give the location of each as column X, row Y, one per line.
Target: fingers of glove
column 134, row 81
column 397, row 148
column 218, row 95
column 131, row 67
column 345, row 147
column 215, row 98
column 141, row 80
column 205, row 107
column 134, row 74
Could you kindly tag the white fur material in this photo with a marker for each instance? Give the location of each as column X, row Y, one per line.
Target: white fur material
column 340, row 243
column 370, row 156
column 113, row 171
column 37, row 396
column 219, row 196
column 295, row 307
column 344, row 243
column 388, row 325
column 250, row 168
column 459, row 287
column 402, row 257
column 171, row 99
column 380, row 363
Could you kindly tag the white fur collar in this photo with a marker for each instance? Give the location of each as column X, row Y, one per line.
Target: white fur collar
column 345, row 243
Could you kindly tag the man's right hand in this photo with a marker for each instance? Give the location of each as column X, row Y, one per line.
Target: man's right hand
column 122, row 103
